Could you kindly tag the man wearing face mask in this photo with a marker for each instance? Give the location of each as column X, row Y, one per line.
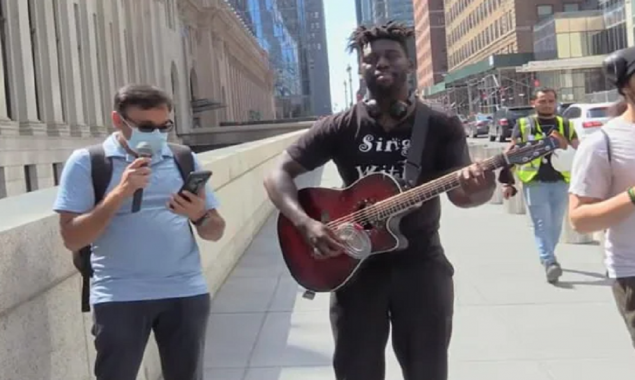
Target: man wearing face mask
column 412, row 290
column 545, row 189
column 147, row 271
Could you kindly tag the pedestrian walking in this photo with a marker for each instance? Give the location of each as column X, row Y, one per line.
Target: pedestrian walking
column 602, row 196
column 544, row 188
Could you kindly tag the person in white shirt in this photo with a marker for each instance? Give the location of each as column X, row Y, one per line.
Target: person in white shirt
column 602, row 193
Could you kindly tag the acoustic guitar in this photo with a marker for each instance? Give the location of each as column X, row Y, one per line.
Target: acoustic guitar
column 366, row 215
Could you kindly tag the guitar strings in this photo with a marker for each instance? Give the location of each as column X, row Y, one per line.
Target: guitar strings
column 411, row 196
column 376, row 210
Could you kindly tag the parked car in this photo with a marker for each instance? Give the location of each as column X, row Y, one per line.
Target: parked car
column 478, row 124
column 563, row 107
column 588, row 117
column 505, row 120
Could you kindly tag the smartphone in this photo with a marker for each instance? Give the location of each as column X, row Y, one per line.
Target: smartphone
column 196, row 181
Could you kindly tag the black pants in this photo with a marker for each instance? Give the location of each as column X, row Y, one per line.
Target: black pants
column 416, row 296
column 624, row 294
column 122, row 329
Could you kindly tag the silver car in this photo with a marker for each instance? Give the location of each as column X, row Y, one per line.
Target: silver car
column 478, row 125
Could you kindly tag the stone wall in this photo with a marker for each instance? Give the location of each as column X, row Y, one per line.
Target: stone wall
column 43, row 334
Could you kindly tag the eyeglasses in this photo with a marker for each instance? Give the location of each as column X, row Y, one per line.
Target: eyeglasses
column 148, row 127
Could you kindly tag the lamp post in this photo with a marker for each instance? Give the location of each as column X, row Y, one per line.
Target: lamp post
column 350, row 82
column 345, row 94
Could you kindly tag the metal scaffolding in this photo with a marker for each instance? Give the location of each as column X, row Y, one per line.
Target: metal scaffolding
column 487, row 92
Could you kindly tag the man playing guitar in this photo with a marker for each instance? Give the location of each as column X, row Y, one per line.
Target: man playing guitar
column 411, row 289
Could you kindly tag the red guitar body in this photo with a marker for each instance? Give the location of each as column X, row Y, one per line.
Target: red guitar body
column 326, row 275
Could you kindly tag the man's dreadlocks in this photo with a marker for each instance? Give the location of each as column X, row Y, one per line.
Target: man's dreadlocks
column 392, row 30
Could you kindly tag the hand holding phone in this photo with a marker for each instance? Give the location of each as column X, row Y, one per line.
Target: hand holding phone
column 184, row 204
column 196, row 181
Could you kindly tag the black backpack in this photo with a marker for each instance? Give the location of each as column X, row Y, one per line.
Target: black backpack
column 101, row 172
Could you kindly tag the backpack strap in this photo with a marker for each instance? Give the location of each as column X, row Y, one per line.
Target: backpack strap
column 184, row 162
column 101, row 173
column 417, row 144
column 183, row 158
column 608, row 145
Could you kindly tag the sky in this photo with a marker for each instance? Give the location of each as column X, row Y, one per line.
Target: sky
column 340, row 22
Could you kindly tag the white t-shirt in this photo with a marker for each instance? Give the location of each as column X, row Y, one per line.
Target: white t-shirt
column 595, row 177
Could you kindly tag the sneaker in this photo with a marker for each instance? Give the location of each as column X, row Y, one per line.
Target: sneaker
column 553, row 271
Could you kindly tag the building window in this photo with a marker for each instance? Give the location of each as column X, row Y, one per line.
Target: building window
column 5, row 60
column 57, row 172
column 30, row 177
column 571, row 7
column 35, row 56
column 3, row 184
column 544, row 11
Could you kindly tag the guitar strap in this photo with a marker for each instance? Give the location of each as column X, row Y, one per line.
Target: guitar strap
column 417, row 144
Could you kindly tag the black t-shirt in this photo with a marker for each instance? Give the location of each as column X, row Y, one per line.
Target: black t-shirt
column 546, row 172
column 358, row 145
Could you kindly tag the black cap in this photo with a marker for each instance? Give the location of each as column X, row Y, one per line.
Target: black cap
column 620, row 66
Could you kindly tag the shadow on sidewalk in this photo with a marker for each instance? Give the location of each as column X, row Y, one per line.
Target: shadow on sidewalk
column 602, row 280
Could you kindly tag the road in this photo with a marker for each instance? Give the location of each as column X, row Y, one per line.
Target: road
column 484, row 140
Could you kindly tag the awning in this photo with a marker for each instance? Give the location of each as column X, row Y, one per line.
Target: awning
column 592, row 62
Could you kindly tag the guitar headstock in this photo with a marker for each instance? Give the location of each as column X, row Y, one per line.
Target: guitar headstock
column 529, row 151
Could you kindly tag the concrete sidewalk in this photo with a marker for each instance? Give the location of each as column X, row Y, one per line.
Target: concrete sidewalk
column 509, row 323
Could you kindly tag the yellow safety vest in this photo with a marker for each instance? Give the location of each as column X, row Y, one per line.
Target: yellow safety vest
column 527, row 172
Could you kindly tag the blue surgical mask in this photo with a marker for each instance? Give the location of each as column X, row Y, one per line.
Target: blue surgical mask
column 156, row 139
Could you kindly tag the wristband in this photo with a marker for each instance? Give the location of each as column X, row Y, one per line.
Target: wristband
column 631, row 194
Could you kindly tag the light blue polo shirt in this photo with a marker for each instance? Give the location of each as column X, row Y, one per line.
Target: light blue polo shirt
column 147, row 255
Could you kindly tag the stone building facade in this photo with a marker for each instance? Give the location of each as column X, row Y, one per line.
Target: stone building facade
column 63, row 60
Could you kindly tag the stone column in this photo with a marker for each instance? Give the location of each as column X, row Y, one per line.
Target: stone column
column 628, row 10
column 72, row 88
column 22, row 71
column 50, row 94
column 129, row 43
column 6, row 125
column 157, row 43
column 91, row 71
column 121, row 53
column 106, row 63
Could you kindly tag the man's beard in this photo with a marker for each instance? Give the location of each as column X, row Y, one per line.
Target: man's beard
column 546, row 115
column 386, row 92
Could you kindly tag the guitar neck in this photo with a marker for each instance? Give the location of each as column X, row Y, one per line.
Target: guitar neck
column 430, row 190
